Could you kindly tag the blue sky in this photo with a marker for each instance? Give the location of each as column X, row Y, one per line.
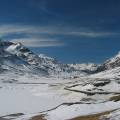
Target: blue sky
column 69, row 30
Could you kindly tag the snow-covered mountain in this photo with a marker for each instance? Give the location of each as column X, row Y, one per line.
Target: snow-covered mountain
column 110, row 63
column 18, row 57
column 14, row 56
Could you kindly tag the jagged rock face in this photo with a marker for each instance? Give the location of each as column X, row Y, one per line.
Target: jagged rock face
column 113, row 62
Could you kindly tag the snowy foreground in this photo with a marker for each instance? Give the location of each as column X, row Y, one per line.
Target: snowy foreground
column 59, row 99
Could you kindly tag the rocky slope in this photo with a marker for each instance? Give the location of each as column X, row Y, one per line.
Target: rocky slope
column 110, row 63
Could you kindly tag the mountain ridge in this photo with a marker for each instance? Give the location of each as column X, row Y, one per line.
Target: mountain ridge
column 20, row 57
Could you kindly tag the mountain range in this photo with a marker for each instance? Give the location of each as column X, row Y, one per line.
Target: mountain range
column 18, row 57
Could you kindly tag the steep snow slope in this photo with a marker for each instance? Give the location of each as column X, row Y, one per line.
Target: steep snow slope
column 113, row 62
column 110, row 63
column 12, row 59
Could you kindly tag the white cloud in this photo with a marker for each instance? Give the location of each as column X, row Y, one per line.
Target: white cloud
column 50, row 30
column 92, row 34
column 12, row 29
column 43, row 42
column 33, row 34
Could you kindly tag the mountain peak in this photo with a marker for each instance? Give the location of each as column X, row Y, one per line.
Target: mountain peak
column 110, row 63
column 115, row 59
column 118, row 55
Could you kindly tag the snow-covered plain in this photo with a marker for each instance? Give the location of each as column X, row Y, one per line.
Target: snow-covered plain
column 33, row 95
column 21, row 93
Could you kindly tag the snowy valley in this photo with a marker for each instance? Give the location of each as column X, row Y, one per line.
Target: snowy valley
column 38, row 87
